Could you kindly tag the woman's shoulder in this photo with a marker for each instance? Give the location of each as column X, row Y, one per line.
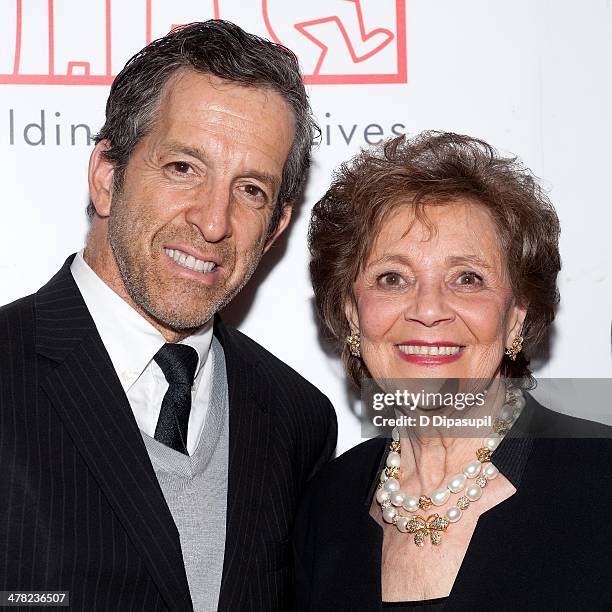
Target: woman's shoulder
column 546, row 422
column 361, row 455
column 565, row 444
column 354, row 470
column 343, row 489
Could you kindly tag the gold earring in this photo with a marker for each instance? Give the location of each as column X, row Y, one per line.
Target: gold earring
column 515, row 348
column 354, row 342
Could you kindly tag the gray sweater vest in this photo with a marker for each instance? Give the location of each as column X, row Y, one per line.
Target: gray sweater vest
column 195, row 488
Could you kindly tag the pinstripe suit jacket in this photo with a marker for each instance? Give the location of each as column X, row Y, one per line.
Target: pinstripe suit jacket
column 80, row 506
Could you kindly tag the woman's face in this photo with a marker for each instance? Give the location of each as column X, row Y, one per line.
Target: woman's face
column 435, row 304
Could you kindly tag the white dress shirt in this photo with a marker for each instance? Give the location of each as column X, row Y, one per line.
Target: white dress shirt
column 132, row 342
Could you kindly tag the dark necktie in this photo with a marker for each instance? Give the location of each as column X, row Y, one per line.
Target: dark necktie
column 178, row 363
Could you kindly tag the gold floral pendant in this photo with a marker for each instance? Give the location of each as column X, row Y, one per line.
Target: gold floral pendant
column 432, row 526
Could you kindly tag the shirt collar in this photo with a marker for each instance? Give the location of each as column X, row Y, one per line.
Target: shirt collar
column 130, row 340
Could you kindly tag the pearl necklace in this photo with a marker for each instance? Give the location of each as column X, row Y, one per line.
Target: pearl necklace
column 479, row 470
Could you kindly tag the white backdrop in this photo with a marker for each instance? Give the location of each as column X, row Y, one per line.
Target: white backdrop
column 532, row 77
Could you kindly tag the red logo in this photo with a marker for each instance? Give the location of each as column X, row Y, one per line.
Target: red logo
column 87, row 43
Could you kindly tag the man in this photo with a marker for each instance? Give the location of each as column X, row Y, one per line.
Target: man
column 151, row 458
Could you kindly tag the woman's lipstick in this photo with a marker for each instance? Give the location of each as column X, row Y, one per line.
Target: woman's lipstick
column 429, row 353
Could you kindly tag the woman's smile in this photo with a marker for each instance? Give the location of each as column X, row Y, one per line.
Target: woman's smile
column 429, row 353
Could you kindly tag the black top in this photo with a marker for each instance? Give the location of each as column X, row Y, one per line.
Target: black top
column 431, row 605
column 547, row 546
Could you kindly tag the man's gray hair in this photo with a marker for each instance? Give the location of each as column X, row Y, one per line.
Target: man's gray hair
column 222, row 49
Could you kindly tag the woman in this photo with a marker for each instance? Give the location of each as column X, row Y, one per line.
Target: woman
column 435, row 258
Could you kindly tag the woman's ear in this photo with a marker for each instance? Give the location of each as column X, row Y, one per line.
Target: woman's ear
column 350, row 312
column 516, row 323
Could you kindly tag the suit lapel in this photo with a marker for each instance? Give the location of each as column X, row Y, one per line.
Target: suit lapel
column 88, row 397
column 250, row 396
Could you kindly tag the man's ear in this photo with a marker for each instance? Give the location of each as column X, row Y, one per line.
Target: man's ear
column 283, row 222
column 100, row 175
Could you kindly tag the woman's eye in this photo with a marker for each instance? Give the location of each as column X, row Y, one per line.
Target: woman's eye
column 469, row 279
column 391, row 279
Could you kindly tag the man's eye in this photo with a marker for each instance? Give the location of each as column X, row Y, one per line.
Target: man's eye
column 254, row 191
column 180, row 167
column 391, row 279
column 469, row 279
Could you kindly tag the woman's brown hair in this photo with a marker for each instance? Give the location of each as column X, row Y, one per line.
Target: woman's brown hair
column 435, row 168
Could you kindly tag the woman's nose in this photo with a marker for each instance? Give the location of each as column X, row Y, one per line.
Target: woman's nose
column 428, row 305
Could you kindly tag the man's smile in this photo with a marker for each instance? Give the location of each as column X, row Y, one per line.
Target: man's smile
column 190, row 262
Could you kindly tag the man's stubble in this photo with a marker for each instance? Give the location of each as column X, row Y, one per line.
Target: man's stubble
column 170, row 305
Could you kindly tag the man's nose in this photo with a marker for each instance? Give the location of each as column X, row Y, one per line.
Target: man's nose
column 429, row 305
column 211, row 213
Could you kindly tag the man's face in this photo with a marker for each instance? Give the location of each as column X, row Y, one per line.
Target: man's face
column 190, row 224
